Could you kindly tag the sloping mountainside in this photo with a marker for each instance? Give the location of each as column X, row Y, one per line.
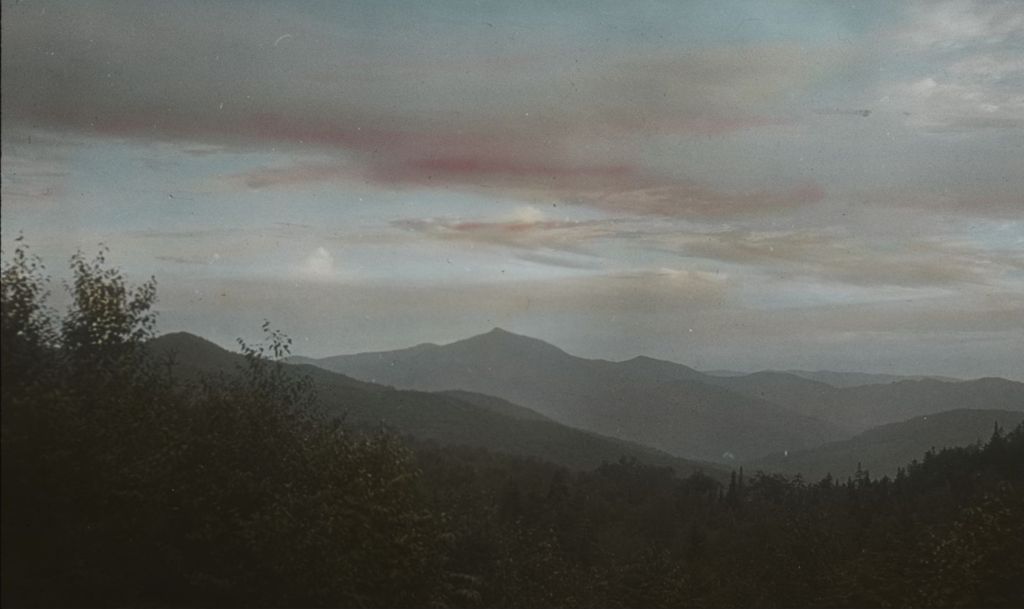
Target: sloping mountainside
column 455, row 418
column 498, row 405
column 657, row 403
column 803, row 396
column 862, row 407
column 881, row 450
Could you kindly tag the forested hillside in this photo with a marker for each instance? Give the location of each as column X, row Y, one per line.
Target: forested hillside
column 448, row 417
column 126, row 484
column 885, row 449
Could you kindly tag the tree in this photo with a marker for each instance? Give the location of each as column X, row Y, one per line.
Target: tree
column 27, row 336
column 123, row 488
column 108, row 322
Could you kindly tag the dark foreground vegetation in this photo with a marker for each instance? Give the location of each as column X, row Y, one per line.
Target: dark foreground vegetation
column 126, row 486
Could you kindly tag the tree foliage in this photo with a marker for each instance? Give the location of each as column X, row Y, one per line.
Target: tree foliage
column 27, row 333
column 124, row 485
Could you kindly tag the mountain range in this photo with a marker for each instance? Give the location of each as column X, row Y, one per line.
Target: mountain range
column 664, row 404
column 654, row 402
column 842, row 379
column 861, row 407
column 447, row 417
column 520, row 395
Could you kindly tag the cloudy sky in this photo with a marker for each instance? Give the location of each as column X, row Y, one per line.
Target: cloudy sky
column 728, row 185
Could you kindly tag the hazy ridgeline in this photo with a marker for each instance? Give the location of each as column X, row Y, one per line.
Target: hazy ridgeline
column 142, row 477
column 689, row 413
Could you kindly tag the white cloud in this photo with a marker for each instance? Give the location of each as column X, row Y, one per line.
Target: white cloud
column 527, row 214
column 958, row 103
column 975, row 69
column 960, row 23
column 989, row 66
column 319, row 265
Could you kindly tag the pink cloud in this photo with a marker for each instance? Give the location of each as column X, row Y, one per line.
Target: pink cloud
column 529, row 123
column 520, row 123
column 616, row 188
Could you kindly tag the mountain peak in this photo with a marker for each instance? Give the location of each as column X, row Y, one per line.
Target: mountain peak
column 497, row 333
column 503, row 340
column 641, row 359
column 182, row 340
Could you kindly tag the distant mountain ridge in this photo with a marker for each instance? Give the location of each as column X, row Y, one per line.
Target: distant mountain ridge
column 841, row 379
column 452, row 417
column 862, row 407
column 854, row 379
column 655, row 402
column 668, row 405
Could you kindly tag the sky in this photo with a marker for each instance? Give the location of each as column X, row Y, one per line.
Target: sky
column 739, row 185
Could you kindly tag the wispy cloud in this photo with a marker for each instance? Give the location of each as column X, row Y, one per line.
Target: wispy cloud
column 962, row 102
column 835, row 257
column 958, row 24
column 527, row 229
column 694, row 200
column 297, row 175
column 621, row 189
column 32, row 174
column 976, row 69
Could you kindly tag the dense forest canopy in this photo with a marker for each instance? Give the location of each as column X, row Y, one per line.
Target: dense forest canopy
column 126, row 484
